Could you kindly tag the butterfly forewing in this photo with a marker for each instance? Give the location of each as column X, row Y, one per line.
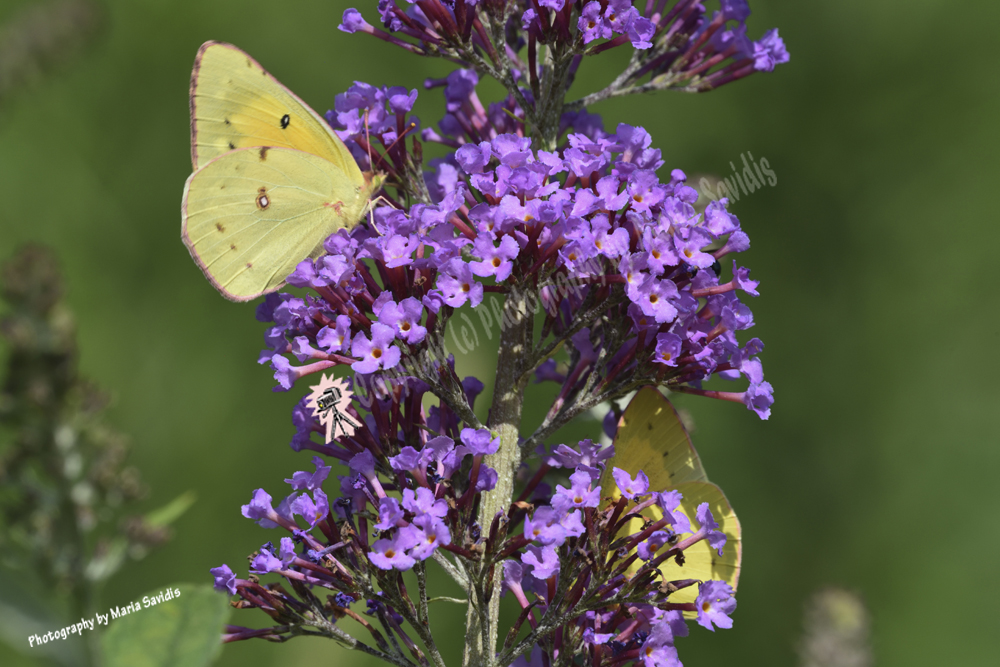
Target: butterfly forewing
column 651, row 438
column 236, row 103
column 251, row 215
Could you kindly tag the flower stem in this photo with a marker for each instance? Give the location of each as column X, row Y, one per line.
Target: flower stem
column 505, row 419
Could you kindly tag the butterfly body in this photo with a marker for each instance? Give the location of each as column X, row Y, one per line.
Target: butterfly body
column 271, row 179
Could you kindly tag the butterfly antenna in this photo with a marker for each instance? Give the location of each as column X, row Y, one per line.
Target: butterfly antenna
column 368, row 141
column 401, row 136
column 371, row 163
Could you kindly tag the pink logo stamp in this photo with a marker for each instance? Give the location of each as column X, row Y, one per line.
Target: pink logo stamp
column 329, row 401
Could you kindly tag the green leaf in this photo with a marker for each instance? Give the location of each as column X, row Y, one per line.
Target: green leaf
column 173, row 510
column 182, row 632
column 26, row 610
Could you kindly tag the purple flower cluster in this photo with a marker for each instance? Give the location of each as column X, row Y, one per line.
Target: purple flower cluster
column 589, row 227
column 408, row 493
column 682, row 45
column 631, row 627
column 601, row 276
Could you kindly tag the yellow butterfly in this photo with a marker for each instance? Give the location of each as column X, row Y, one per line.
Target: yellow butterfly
column 271, row 179
column 651, row 438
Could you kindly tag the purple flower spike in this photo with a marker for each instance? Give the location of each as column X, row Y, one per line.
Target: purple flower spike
column 631, row 488
column 433, row 534
column 389, row 513
column 259, row 508
column 544, row 561
column 387, row 554
column 422, row 502
column 759, row 398
column 264, row 562
column 306, row 481
column 592, row 24
column 715, row 538
column 614, row 257
column 473, row 158
column 769, row 51
column 353, row 22
column 496, row 261
column 404, row 317
column 458, row 286
column 287, row 551
column 377, row 353
column 480, row 442
column 313, row 509
column 225, row 579
column 668, row 349
column 408, row 459
column 658, row 649
column 649, row 548
column 579, row 494
column 715, row 602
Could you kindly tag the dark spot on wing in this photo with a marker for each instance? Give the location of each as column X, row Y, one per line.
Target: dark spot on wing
column 249, row 63
column 232, row 146
column 222, row 187
column 226, row 121
column 263, row 152
column 285, row 120
column 262, row 200
column 232, row 246
column 249, row 265
column 219, row 226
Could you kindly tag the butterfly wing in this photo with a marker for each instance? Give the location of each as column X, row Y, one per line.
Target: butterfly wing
column 652, row 438
column 236, row 103
column 251, row 215
column 700, row 560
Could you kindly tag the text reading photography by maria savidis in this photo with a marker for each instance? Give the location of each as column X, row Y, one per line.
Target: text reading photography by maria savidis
column 606, row 281
column 86, row 624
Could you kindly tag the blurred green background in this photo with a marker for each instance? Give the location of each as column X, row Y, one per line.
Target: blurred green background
column 877, row 470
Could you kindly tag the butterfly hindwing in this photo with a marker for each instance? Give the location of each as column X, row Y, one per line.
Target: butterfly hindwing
column 236, row 103
column 701, row 561
column 251, row 215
